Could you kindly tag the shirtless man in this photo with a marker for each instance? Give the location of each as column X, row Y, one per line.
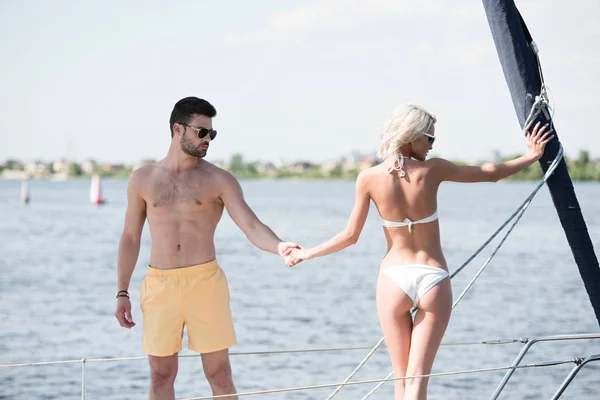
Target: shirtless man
column 183, row 197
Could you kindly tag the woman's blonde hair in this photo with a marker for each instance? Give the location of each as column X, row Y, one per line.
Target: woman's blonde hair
column 407, row 123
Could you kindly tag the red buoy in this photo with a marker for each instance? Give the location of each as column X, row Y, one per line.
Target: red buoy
column 96, row 190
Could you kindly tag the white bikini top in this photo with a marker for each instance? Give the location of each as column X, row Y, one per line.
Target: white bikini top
column 398, row 165
column 409, row 223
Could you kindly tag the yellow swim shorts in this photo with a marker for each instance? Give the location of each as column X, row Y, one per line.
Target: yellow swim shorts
column 196, row 297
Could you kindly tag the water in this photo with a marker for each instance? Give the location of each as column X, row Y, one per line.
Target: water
column 58, row 282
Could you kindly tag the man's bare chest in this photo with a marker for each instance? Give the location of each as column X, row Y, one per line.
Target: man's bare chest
column 181, row 192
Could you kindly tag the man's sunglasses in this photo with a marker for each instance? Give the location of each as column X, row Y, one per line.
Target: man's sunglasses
column 202, row 132
column 430, row 138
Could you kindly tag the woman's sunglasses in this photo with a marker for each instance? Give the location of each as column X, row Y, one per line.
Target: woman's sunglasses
column 202, row 132
column 430, row 138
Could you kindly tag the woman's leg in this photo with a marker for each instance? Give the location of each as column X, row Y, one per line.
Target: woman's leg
column 429, row 327
column 393, row 308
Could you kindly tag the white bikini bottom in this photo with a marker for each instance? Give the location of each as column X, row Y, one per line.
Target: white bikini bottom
column 415, row 279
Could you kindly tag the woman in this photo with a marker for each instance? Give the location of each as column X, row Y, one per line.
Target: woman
column 414, row 271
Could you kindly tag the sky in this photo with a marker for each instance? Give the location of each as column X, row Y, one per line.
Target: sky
column 291, row 80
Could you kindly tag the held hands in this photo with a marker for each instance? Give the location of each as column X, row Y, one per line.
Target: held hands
column 292, row 253
column 300, row 254
column 285, row 251
column 538, row 138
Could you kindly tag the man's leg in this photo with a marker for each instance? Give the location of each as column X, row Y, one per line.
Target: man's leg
column 218, row 373
column 163, row 371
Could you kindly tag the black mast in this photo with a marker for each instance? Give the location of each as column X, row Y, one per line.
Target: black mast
column 523, row 75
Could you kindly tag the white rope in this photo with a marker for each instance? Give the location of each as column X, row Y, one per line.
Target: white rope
column 358, row 367
column 92, row 360
column 518, row 214
column 521, row 209
column 484, row 342
column 376, row 388
column 468, row 371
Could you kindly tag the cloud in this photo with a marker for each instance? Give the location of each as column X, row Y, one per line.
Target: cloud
column 454, row 32
column 331, row 15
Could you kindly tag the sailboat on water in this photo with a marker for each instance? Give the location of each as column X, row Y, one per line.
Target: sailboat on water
column 96, row 191
column 25, row 191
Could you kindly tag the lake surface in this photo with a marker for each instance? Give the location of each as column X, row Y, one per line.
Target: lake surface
column 58, row 281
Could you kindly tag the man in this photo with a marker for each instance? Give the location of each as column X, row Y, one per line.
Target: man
column 183, row 197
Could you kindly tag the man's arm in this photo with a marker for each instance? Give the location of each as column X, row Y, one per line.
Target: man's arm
column 258, row 233
column 129, row 247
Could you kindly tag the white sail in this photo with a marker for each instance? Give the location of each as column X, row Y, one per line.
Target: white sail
column 25, row 191
column 96, row 190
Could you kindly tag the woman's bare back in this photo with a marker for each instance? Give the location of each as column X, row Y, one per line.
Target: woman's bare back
column 412, row 197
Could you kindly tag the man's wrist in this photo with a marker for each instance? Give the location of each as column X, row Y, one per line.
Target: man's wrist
column 280, row 248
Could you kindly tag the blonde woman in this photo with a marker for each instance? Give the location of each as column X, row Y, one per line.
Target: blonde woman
column 414, row 271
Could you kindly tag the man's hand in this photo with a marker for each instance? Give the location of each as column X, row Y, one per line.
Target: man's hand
column 123, row 313
column 296, row 255
column 285, row 251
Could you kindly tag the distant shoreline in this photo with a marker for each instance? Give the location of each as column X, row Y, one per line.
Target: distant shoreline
column 256, row 178
column 345, row 168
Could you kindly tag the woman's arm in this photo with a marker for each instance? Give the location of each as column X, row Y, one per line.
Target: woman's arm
column 350, row 234
column 536, row 141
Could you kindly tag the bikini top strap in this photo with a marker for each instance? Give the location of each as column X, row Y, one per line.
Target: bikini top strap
column 398, row 165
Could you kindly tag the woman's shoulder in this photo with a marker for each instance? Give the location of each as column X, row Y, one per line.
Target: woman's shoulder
column 373, row 171
column 438, row 164
column 436, row 161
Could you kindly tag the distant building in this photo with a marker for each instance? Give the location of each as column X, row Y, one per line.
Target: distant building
column 349, row 165
column 300, row 167
column 113, row 167
column 495, row 156
column 144, row 162
column 367, row 162
column 220, row 163
column 37, row 169
column 88, row 166
column 354, row 158
column 281, row 163
column 267, row 169
column 330, row 166
column 60, row 166
column 14, row 174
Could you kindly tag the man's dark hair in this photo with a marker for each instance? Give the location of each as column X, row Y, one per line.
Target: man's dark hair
column 185, row 109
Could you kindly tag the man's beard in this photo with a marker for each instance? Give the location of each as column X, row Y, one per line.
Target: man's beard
column 188, row 148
